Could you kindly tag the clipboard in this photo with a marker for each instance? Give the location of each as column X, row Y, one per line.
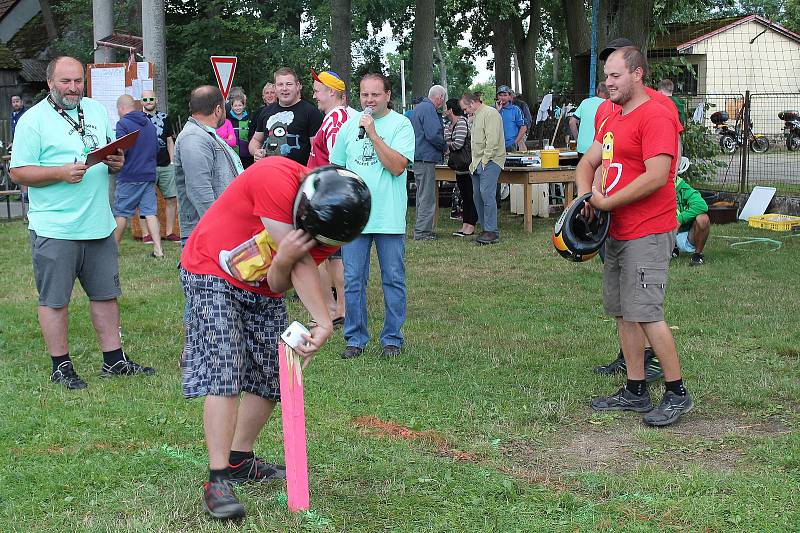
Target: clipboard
column 124, row 142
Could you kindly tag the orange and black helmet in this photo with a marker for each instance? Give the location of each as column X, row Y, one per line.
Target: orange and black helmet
column 577, row 238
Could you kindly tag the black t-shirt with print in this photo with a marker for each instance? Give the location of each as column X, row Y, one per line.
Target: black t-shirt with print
column 164, row 130
column 302, row 120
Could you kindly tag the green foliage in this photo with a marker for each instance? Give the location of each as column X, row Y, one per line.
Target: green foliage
column 486, row 89
column 702, row 149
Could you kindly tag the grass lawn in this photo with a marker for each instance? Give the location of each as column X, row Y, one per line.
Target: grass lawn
column 482, row 425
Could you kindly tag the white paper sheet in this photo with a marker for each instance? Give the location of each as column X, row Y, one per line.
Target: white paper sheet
column 108, row 84
column 147, row 85
column 143, row 70
column 136, row 89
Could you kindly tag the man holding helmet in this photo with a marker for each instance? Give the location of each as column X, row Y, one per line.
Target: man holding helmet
column 280, row 224
column 639, row 143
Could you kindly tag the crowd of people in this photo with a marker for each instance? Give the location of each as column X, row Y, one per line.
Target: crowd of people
column 237, row 180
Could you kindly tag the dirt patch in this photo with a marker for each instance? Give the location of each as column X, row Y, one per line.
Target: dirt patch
column 617, row 446
column 715, row 444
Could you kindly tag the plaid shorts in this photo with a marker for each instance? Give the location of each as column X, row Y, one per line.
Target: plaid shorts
column 231, row 339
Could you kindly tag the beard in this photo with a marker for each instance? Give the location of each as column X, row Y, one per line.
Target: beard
column 220, row 122
column 621, row 96
column 64, row 100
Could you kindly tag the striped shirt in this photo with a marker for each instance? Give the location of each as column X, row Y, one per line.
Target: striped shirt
column 323, row 141
column 456, row 133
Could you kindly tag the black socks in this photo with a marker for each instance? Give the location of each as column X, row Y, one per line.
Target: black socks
column 236, row 458
column 113, row 357
column 60, row 359
column 676, row 387
column 636, row 386
column 215, row 476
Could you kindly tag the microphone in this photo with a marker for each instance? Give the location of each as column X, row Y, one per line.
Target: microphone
column 361, row 132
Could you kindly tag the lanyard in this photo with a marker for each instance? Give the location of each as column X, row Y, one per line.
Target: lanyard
column 79, row 126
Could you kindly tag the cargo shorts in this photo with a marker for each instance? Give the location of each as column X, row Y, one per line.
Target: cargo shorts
column 635, row 277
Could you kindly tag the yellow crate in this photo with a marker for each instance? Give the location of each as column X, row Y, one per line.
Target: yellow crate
column 774, row 222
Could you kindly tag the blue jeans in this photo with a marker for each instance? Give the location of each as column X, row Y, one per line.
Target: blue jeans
column 484, row 189
column 391, row 251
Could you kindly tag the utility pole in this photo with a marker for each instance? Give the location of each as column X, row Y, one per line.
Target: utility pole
column 103, row 23
column 155, row 44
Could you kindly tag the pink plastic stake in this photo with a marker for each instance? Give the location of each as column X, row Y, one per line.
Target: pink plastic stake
column 294, row 428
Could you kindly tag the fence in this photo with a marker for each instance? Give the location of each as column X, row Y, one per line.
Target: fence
column 753, row 149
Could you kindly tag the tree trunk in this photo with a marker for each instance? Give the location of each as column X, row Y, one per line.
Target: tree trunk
column 621, row 18
column 440, row 61
column 556, row 63
column 49, row 21
column 341, row 40
column 422, row 47
column 154, row 37
column 501, row 48
column 579, row 41
column 103, row 23
column 525, row 46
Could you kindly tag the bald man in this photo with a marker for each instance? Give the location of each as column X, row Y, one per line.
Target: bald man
column 165, row 171
column 137, row 179
column 70, row 220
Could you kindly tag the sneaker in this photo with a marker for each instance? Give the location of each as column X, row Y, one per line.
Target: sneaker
column 428, row 237
column 617, row 366
column 220, row 501
column 125, row 367
column 172, row 237
column 671, row 408
column 488, row 237
column 257, row 470
column 652, row 366
column 623, row 400
column 697, row 260
column 351, row 352
column 390, row 350
column 676, row 252
column 65, row 375
column 147, row 239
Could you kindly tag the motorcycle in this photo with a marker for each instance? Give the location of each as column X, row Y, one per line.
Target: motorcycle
column 732, row 138
column 791, row 129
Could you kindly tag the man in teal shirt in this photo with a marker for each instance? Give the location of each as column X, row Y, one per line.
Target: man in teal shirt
column 71, row 224
column 585, row 116
column 377, row 147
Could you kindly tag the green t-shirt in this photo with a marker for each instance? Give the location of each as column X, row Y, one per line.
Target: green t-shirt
column 586, row 112
column 389, row 195
column 71, row 211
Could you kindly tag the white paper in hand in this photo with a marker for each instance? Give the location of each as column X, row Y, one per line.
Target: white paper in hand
column 293, row 336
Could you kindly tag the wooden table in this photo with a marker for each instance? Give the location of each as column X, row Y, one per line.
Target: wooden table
column 522, row 176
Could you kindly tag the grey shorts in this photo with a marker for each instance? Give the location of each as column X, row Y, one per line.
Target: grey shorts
column 165, row 177
column 231, row 339
column 635, row 277
column 57, row 262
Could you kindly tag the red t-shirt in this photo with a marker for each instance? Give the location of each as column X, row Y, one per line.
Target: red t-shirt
column 645, row 132
column 266, row 189
column 608, row 107
column 322, row 144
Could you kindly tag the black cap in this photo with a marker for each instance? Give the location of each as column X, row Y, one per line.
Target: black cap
column 616, row 44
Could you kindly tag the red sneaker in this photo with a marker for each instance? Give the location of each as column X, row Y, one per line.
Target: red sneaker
column 172, row 237
column 147, row 239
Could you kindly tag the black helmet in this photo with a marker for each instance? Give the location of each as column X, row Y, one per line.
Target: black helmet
column 333, row 205
column 575, row 237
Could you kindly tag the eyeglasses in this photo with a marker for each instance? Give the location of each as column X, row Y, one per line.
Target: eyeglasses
column 147, row 100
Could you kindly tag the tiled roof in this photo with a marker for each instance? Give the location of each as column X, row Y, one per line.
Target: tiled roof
column 5, row 7
column 33, row 70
